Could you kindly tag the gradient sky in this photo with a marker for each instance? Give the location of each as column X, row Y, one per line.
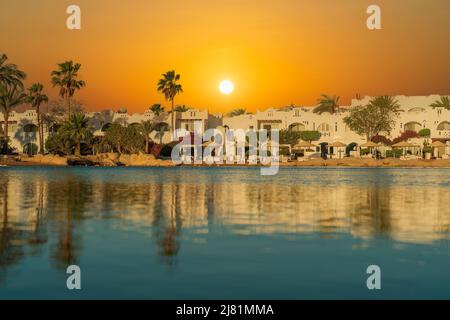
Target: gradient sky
column 276, row 52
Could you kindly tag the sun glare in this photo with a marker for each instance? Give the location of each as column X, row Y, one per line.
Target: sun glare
column 226, row 87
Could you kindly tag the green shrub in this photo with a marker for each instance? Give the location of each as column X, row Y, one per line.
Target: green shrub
column 394, row 153
column 310, row 135
column 166, row 151
column 425, row 133
column 427, row 149
column 59, row 143
column 292, row 137
column 5, row 147
column 289, row 137
column 284, row 152
column 364, row 152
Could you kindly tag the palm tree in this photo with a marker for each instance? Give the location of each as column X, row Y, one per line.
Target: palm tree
column 11, row 96
column 327, row 104
column 146, row 128
column 77, row 129
column 66, row 79
column 444, row 102
column 182, row 108
column 237, row 112
column 157, row 109
column 385, row 104
column 170, row 88
column 36, row 98
column 10, row 73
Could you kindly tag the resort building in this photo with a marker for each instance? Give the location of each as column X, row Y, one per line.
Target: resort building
column 416, row 115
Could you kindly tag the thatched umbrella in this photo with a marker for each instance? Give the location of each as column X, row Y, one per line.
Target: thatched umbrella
column 370, row 145
column 303, row 144
column 339, row 145
column 436, row 145
column 404, row 145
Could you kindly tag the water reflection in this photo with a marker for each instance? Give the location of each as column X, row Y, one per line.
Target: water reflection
column 49, row 207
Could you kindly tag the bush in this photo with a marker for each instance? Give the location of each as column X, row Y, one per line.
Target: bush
column 310, row 135
column 292, row 137
column 166, row 151
column 364, row 152
column 427, row 149
column 58, row 143
column 124, row 139
column 425, row 133
column 289, row 137
column 5, row 147
column 394, row 153
column 405, row 136
column 382, row 139
column 156, row 149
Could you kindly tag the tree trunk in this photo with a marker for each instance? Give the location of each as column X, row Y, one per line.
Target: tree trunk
column 40, row 131
column 68, row 106
column 173, row 117
column 78, row 149
column 6, row 137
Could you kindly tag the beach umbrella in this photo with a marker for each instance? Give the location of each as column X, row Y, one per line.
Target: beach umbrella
column 438, row 144
column 303, row 145
column 369, row 144
column 404, row 145
column 338, row 144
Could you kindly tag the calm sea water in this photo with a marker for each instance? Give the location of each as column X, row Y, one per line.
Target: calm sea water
column 224, row 233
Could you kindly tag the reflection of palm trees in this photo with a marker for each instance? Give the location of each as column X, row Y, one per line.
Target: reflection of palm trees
column 9, row 254
column 167, row 222
column 39, row 236
column 380, row 209
column 73, row 194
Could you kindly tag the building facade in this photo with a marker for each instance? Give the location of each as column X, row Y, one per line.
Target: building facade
column 416, row 115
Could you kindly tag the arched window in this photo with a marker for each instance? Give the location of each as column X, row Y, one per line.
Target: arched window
column 297, row 127
column 444, row 126
column 413, row 126
column 30, row 128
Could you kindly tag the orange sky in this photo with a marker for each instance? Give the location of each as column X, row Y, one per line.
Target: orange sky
column 276, row 52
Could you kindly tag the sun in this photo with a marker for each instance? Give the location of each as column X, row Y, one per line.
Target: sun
column 226, row 87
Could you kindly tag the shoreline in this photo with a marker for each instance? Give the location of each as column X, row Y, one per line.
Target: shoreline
column 331, row 163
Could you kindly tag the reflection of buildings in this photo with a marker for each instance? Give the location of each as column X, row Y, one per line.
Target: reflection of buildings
column 404, row 213
column 39, row 208
column 417, row 114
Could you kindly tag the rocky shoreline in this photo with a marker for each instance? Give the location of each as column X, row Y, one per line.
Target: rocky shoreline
column 146, row 160
column 102, row 160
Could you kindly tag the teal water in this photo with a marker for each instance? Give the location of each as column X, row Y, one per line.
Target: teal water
column 224, row 233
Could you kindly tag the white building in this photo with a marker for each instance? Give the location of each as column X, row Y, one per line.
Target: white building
column 416, row 115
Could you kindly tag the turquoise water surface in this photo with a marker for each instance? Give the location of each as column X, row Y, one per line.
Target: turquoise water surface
column 224, row 233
